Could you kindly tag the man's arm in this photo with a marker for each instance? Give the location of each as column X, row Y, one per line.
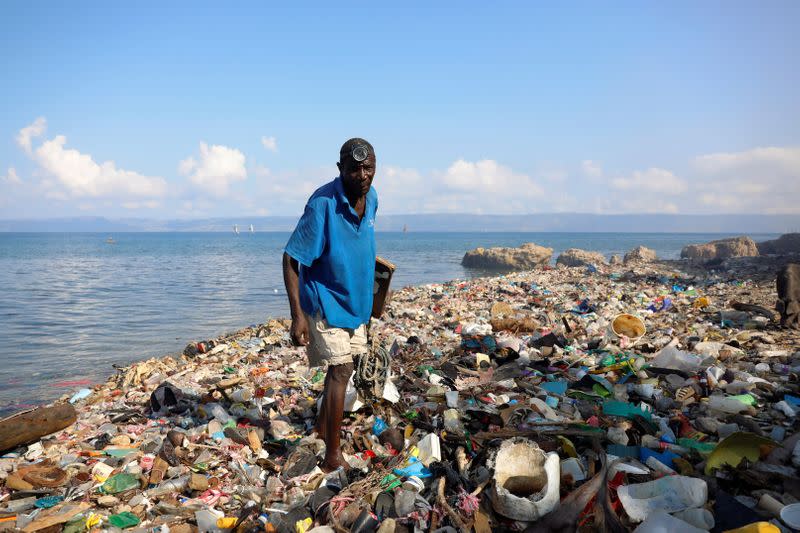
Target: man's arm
column 291, row 279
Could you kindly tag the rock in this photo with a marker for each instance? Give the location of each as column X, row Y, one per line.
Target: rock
column 615, row 260
column 788, row 243
column 107, row 501
column 640, row 254
column 721, row 249
column 526, row 257
column 575, row 257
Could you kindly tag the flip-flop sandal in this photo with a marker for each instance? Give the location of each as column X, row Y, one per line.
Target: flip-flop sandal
column 384, row 506
column 321, row 499
column 366, row 522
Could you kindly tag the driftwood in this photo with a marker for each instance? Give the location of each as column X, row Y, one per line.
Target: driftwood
column 29, row 426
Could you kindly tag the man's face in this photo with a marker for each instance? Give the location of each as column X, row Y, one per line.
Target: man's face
column 357, row 175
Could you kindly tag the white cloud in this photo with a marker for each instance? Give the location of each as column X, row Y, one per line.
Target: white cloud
column 657, row 180
column 759, row 180
column 487, row 176
column 149, row 204
column 775, row 159
column 26, row 134
column 260, row 171
column 270, row 143
column 591, row 169
column 83, row 177
column 217, row 168
column 12, row 177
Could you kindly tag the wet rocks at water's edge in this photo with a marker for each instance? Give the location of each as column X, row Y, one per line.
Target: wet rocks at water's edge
column 509, row 402
column 525, row 257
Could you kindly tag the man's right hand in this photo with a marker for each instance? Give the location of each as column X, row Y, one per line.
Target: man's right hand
column 299, row 330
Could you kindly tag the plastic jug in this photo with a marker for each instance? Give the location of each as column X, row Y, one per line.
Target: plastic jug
column 661, row 522
column 670, row 494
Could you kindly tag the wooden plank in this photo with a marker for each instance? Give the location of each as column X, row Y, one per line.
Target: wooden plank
column 29, row 426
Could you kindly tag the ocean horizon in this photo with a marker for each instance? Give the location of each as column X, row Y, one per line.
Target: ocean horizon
column 74, row 304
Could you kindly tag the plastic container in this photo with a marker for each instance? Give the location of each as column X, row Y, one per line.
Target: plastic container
column 661, row 522
column 669, row 494
column 791, row 516
column 429, row 449
column 698, row 517
column 207, row 520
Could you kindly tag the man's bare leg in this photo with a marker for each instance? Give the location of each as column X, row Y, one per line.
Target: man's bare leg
column 333, row 411
column 319, row 425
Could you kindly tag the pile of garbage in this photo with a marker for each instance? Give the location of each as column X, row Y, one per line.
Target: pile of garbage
column 600, row 398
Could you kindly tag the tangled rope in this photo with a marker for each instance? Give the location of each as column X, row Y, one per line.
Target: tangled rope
column 372, row 370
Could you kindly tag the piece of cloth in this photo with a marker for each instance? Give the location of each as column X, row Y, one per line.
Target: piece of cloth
column 334, row 346
column 336, row 252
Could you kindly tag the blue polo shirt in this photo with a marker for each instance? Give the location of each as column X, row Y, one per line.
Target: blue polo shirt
column 336, row 252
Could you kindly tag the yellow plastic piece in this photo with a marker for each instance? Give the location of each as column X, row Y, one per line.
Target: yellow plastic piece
column 756, row 527
column 226, row 522
column 301, row 526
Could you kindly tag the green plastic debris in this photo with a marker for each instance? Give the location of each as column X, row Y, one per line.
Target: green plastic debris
column 747, row 399
column 228, row 370
column 124, row 520
column 319, row 376
column 76, row 525
column 617, row 408
column 120, row 483
column 703, row 448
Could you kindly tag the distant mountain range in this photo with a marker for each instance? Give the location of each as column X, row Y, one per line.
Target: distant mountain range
column 553, row 222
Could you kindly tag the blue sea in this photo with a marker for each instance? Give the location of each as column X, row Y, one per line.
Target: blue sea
column 72, row 305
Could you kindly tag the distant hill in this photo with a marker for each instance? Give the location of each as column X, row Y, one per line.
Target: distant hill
column 553, row 222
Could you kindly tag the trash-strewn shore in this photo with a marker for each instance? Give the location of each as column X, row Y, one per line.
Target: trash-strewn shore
column 600, row 397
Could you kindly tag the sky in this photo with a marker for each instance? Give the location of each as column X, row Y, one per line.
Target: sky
column 176, row 109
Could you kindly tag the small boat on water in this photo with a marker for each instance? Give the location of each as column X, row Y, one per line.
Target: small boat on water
column 110, row 240
column 236, row 229
column 252, row 229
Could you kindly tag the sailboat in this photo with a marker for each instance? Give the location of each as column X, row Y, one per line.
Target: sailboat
column 405, row 228
column 252, row 229
column 236, row 229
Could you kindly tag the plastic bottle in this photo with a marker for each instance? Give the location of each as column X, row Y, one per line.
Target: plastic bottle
column 728, row 404
column 667, row 435
column 219, row 412
column 452, row 421
column 169, row 486
column 780, row 368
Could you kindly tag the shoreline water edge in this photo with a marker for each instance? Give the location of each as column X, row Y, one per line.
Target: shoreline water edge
column 672, row 381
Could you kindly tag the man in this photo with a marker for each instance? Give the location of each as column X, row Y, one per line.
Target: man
column 329, row 270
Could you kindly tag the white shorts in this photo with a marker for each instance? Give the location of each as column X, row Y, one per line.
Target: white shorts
column 334, row 346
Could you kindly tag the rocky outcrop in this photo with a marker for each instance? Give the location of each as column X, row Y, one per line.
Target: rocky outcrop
column 783, row 245
column 526, row 257
column 575, row 257
column 640, row 254
column 721, row 249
